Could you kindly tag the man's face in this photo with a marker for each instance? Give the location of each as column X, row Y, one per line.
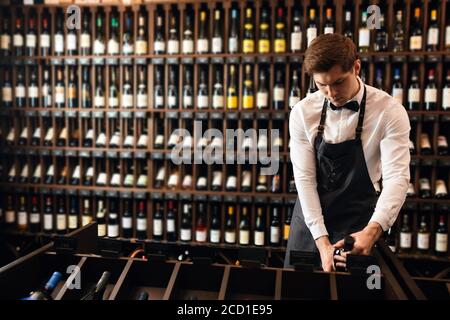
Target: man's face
column 338, row 86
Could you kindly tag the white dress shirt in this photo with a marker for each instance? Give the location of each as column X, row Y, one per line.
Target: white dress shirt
column 385, row 140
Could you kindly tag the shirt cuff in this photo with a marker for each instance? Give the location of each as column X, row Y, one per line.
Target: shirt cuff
column 381, row 219
column 318, row 231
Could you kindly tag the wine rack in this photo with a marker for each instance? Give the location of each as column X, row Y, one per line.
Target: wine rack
column 131, row 99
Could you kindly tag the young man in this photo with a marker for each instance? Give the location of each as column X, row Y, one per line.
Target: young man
column 345, row 137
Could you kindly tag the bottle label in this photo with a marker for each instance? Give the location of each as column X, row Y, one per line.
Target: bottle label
column 414, row 95
column 172, row 102
column 85, row 41
column 76, row 173
column 115, row 180
column 44, row 41
column 126, row 223
column 50, row 171
column 264, row 46
column 71, row 42
column 90, row 172
column 22, row 218
column 33, row 92
column 127, row 48
column 202, row 102
column 99, row 47
column 433, row 36
column 127, row 101
column 101, row 229
column 113, row 47
column 187, row 101
column 296, row 41
column 170, row 225
column 415, row 43
column 424, row 184
column 446, row 98
column 431, row 95
column 232, row 102
column 159, row 46
column 101, row 140
column 48, row 222
column 143, row 140
column 278, row 94
column 113, row 231
column 141, row 101
column 259, row 238
column 233, row 45
column 262, row 100
column 311, row 34
column 173, row 47
column 90, row 134
column 217, row 45
column 440, row 187
column 230, row 237
column 24, row 133
column 217, row 179
column 159, row 101
column 63, row 134
column 248, row 46
column 405, row 240
column 185, row 235
column 423, row 241
column 141, row 47
column 18, row 40
column 411, row 189
column 200, row 236
column 215, row 236
column 11, row 135
column 442, row 142
column 293, row 101
column 37, row 172
column 244, row 237
column 24, row 172
column 10, row 216
column 217, row 101
column 286, row 230
column 49, row 135
column 129, row 141
column 159, row 140
column 187, row 182
column 73, row 222
column 20, row 92
column 328, row 30
column 202, row 45
column 59, row 95
column 141, row 224
column 31, row 40
column 157, row 227
column 231, row 182
column 85, row 220
column 188, row 46
column 115, row 140
column 247, row 102
column 274, row 234
column 113, row 102
column 447, row 36
column 59, row 43
column 61, row 223
column 364, row 37
column 5, row 41
column 7, row 94
column 441, row 242
column 397, row 93
column 101, row 178
column 142, row 180
column 173, row 180
column 129, row 180
column 35, row 218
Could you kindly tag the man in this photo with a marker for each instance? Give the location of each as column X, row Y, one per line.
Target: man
column 344, row 138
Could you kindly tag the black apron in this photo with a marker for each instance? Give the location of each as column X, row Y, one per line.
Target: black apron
column 346, row 192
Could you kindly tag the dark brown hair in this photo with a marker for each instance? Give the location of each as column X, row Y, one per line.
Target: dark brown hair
column 328, row 50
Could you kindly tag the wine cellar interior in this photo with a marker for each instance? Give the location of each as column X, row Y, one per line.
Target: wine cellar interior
column 135, row 117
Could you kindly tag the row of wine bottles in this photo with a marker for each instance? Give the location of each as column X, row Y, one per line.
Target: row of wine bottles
column 427, row 147
column 116, row 87
column 197, row 221
column 130, row 133
column 214, row 30
column 428, row 234
column 135, row 173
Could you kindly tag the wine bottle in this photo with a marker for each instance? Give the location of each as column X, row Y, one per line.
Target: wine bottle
column 127, row 221
column 364, row 34
column 399, row 33
column 203, row 92
column 441, row 189
column 31, row 37
column 127, row 38
column 46, row 292
column 287, row 225
column 280, row 32
column 423, row 236
column 202, row 40
column 446, row 92
column 86, row 217
column 186, row 223
column 433, row 32
column 85, row 36
column 215, row 228
column 48, row 215
column 61, row 217
column 248, row 93
column 414, row 92
column 100, row 218
column 171, row 222
column 381, row 37
column 5, row 37
column 159, row 45
column 405, row 235
column 58, row 37
column 141, row 223
column 18, row 40
column 113, row 42
column 172, row 91
column 158, row 217
column 233, row 39
column 424, row 188
column 296, row 34
column 329, row 24
column 259, row 237
column 244, row 228
column 230, row 226
column 311, row 32
column 425, row 145
column 217, row 43
column 113, row 222
column 442, row 146
column 141, row 39
column 431, row 92
column 232, row 94
column 441, row 243
column 248, row 42
column 201, row 231
column 294, row 93
column 97, row 292
column 278, row 91
column 188, row 38
column 397, row 87
column 173, row 44
column 22, row 215
column 35, row 216
column 217, row 95
column 73, row 214
column 415, row 40
column 99, row 42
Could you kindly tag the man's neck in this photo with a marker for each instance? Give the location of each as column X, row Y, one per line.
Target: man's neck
column 357, row 88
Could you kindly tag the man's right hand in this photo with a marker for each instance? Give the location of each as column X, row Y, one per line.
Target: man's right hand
column 326, row 250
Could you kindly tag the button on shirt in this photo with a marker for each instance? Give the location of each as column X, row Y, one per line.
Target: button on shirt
column 385, row 140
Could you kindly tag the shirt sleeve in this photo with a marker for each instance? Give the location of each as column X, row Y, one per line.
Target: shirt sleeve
column 304, row 168
column 395, row 158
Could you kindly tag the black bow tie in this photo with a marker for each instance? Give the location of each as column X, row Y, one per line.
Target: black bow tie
column 351, row 105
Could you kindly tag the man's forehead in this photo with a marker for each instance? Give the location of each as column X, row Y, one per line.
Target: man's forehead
column 334, row 74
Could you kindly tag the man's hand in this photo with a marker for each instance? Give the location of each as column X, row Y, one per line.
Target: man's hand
column 326, row 253
column 364, row 242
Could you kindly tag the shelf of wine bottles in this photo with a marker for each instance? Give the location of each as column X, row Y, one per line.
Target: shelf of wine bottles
column 98, row 113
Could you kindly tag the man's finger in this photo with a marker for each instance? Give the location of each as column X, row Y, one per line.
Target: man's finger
column 339, row 244
column 340, row 258
column 341, row 264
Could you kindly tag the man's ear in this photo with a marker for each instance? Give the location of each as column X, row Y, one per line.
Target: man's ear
column 357, row 66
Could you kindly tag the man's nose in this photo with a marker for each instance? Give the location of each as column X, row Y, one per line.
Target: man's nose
column 331, row 91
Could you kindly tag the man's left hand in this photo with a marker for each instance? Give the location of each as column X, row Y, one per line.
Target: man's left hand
column 364, row 242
